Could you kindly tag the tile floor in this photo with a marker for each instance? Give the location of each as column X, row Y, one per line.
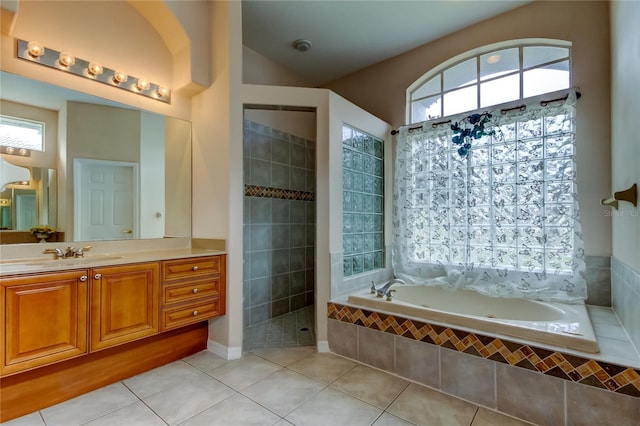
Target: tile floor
column 288, row 330
column 267, row 386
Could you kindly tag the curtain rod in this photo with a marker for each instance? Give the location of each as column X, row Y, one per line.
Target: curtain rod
column 543, row 103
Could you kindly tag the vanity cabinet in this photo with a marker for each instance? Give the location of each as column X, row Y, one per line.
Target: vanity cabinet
column 45, row 319
column 124, row 304
column 192, row 290
column 69, row 332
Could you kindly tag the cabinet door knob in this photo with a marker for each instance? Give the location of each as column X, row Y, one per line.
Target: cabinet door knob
column 195, row 268
column 195, row 290
column 83, row 278
column 195, row 313
column 97, row 276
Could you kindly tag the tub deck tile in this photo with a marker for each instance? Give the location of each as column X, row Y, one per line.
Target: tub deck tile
column 600, row 374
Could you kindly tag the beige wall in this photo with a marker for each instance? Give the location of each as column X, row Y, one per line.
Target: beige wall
column 381, row 89
column 625, row 143
column 258, row 69
column 217, row 184
column 177, row 178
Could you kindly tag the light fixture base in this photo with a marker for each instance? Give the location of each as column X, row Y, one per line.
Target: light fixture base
column 302, row 45
column 92, row 71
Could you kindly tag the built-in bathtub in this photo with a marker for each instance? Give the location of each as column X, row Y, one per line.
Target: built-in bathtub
column 556, row 324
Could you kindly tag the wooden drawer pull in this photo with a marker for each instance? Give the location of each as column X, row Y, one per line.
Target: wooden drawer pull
column 195, row 268
column 195, row 313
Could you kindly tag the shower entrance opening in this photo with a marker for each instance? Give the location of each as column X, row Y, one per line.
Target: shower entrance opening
column 279, row 154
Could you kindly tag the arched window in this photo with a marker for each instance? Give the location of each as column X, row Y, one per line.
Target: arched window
column 485, row 193
column 492, row 75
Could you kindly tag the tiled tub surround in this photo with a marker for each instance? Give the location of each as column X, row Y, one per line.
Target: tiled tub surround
column 543, row 322
column 279, row 223
column 544, row 386
column 625, row 289
column 598, row 276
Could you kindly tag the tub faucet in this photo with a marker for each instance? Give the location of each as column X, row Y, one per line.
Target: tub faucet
column 386, row 289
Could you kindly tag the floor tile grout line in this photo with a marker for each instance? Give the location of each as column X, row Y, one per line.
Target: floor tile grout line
column 145, row 404
column 473, row 419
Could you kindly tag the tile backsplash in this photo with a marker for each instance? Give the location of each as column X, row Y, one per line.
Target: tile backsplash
column 625, row 290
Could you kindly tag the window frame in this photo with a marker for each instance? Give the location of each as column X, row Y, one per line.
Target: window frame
column 476, row 54
column 33, row 123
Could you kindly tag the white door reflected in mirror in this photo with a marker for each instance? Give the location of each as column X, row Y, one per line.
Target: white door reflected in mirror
column 105, row 200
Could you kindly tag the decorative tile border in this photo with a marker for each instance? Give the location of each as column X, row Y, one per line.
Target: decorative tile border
column 615, row 378
column 283, row 194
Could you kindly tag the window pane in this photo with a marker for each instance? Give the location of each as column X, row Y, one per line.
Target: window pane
column 429, row 88
column 548, row 79
column 460, row 75
column 536, row 55
column 499, row 91
column 461, row 100
column 497, row 63
column 425, row 109
column 21, row 133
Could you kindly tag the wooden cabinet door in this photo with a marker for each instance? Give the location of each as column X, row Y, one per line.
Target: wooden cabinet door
column 124, row 304
column 45, row 319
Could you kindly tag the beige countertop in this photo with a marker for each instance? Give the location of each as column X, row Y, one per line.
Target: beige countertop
column 47, row 263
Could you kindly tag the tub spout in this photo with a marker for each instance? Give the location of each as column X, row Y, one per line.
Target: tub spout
column 384, row 290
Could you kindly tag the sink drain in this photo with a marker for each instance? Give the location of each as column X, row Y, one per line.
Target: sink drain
column 490, row 316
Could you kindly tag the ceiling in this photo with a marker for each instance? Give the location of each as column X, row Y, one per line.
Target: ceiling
column 349, row 35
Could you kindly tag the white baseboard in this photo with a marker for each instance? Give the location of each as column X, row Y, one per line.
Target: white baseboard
column 226, row 352
column 323, row 346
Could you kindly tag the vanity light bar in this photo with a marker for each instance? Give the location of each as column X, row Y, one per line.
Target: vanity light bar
column 67, row 62
column 10, row 150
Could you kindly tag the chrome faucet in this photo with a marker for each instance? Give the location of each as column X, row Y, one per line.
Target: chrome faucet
column 58, row 253
column 386, row 290
column 68, row 252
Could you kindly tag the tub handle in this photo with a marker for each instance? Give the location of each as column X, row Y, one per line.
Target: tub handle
column 389, row 294
column 373, row 288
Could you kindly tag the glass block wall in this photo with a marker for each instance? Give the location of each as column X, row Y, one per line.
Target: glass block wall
column 363, row 202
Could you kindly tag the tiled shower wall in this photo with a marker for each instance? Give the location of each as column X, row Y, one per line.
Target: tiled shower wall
column 279, row 222
column 625, row 290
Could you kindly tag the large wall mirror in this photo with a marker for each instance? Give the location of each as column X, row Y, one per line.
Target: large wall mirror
column 107, row 171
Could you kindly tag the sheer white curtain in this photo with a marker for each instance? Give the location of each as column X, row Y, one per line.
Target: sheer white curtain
column 503, row 218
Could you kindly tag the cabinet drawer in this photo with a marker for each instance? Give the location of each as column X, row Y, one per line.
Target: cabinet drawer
column 190, row 290
column 195, row 312
column 173, row 270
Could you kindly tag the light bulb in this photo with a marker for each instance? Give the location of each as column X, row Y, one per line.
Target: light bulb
column 35, row 49
column 95, row 69
column 66, row 59
column 22, row 151
column 162, row 92
column 119, row 77
column 10, row 150
column 143, row 84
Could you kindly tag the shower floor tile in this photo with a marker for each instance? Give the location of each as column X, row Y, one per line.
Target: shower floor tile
column 289, row 330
